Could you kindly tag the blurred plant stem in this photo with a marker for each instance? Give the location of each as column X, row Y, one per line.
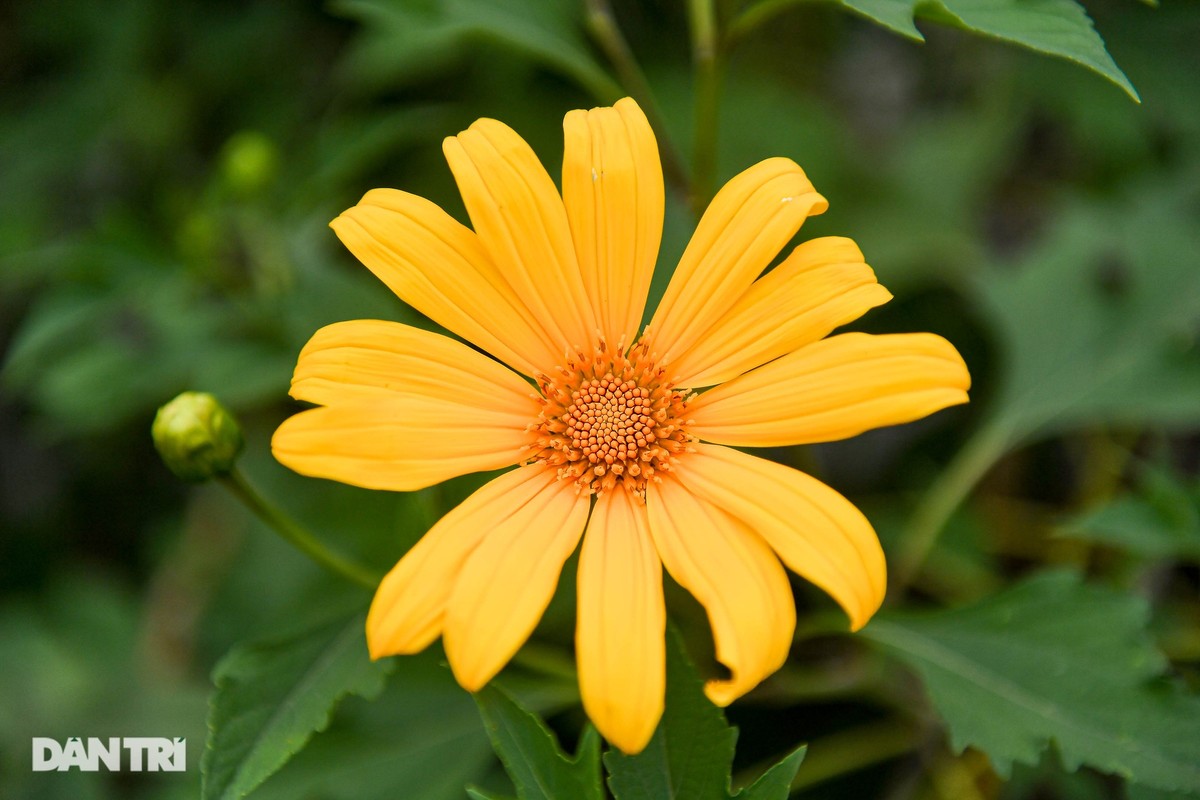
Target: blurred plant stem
column 943, row 498
column 295, row 534
column 706, row 75
column 848, row 751
column 602, row 24
column 547, row 660
column 754, row 16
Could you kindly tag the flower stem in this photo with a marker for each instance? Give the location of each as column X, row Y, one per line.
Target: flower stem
column 755, row 16
column 850, row 750
column 703, row 18
column 602, row 24
column 942, row 499
column 294, row 533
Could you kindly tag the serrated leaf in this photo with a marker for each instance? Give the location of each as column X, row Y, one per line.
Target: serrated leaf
column 1059, row 28
column 775, row 783
column 691, row 753
column 1053, row 659
column 272, row 696
column 420, row 738
column 531, row 755
column 1053, row 27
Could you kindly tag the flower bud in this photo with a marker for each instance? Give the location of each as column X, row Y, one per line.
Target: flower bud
column 249, row 162
column 196, row 437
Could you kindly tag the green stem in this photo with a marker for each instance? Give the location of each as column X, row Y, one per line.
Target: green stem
column 753, row 17
column 296, row 535
column 942, row 499
column 849, row 751
column 602, row 24
column 547, row 660
column 703, row 18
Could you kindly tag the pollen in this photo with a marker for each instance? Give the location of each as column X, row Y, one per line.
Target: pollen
column 611, row 418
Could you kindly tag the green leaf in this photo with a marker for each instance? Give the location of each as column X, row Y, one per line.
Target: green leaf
column 1161, row 519
column 1053, row 27
column 1053, row 659
column 1136, row 792
column 1124, row 350
column 1059, row 28
column 775, row 783
column 272, row 696
column 421, row 738
column 690, row 755
column 475, row 793
column 531, row 755
column 409, row 37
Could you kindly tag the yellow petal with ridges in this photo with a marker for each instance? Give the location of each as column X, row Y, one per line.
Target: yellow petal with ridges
column 613, row 193
column 834, row 389
column 746, row 225
column 507, row 582
column 437, row 266
column 405, row 442
column 620, row 631
column 734, row 575
column 374, row 359
column 821, row 285
column 410, row 604
column 520, row 220
column 816, row 532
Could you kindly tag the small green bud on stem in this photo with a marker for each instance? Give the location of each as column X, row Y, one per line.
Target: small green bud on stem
column 196, row 437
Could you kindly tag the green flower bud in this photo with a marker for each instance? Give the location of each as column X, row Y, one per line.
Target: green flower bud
column 249, row 162
column 196, row 437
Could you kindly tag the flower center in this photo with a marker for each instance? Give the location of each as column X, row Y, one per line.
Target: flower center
column 610, row 418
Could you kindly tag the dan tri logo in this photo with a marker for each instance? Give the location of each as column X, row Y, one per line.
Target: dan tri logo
column 114, row 754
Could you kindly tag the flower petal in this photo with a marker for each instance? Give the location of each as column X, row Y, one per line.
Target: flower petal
column 734, row 575
column 744, row 228
column 620, row 632
column 519, row 217
column 833, row 389
column 410, row 604
column 613, row 192
column 438, row 267
column 817, row 533
column 823, row 284
column 372, row 359
column 404, row 442
column 507, row 582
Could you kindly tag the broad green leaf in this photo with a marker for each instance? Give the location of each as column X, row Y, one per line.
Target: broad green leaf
column 690, row 755
column 421, row 738
column 410, row 35
column 1136, row 792
column 475, row 793
column 1053, row 660
column 775, row 783
column 1134, row 524
column 1059, row 28
column 272, row 696
column 1161, row 519
column 531, row 755
column 1097, row 323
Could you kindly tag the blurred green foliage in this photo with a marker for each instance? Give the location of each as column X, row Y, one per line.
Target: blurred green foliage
column 167, row 174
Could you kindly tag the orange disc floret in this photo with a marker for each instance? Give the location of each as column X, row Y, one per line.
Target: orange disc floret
column 611, row 417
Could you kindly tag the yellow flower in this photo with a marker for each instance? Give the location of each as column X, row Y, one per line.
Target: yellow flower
column 615, row 445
